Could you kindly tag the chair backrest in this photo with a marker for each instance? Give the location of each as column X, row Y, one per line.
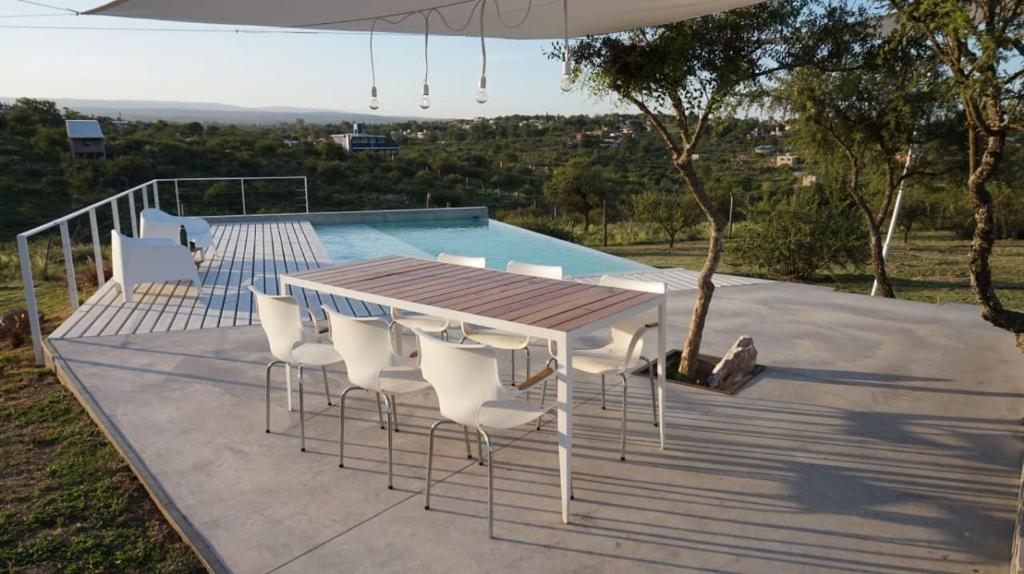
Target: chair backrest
column 623, row 331
column 463, row 376
column 281, row 319
column 365, row 345
column 479, row 262
column 546, row 271
column 117, row 256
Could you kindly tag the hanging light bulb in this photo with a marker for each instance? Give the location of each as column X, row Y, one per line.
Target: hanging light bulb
column 374, row 102
column 481, row 87
column 425, row 97
column 425, row 94
column 481, row 91
column 566, row 84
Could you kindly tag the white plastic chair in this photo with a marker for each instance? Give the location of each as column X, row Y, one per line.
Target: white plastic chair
column 138, row 261
column 623, row 354
column 470, row 393
column 372, row 365
column 428, row 323
column 508, row 340
column 157, row 223
column 281, row 319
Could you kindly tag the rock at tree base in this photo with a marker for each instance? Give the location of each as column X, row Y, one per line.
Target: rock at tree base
column 736, row 364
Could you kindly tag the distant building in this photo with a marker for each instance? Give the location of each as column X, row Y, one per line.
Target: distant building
column 85, row 138
column 764, row 149
column 808, row 180
column 360, row 141
column 788, row 160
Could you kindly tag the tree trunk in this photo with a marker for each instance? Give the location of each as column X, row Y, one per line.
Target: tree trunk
column 705, row 288
column 878, row 261
column 992, row 309
column 906, row 234
column 874, row 227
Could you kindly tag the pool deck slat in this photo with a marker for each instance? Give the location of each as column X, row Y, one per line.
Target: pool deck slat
column 246, row 253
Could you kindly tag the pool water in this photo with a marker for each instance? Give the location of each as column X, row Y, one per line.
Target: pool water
column 497, row 241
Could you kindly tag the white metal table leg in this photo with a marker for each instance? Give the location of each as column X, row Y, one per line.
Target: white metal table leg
column 662, row 367
column 565, row 389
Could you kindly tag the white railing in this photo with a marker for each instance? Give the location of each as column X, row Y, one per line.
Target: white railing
column 148, row 190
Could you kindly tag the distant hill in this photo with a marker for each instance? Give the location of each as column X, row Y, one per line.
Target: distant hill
column 150, row 110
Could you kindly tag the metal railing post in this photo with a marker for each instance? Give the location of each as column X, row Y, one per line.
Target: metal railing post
column 305, row 188
column 242, row 181
column 30, row 299
column 97, row 249
column 116, row 213
column 69, row 265
column 177, row 197
column 131, row 209
column 156, row 194
column 145, row 196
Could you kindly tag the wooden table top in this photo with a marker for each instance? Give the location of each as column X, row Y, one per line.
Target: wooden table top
column 533, row 301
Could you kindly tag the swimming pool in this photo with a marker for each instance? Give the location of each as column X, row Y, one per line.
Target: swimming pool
column 497, row 241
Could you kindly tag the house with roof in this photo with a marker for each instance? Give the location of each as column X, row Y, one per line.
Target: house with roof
column 85, row 137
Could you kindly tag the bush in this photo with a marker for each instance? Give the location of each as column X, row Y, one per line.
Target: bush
column 535, row 221
column 799, row 236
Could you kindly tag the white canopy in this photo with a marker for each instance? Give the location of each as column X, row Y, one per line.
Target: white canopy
column 538, row 19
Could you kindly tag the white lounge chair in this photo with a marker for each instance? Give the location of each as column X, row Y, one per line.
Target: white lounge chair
column 505, row 339
column 470, row 393
column 623, row 354
column 157, row 223
column 428, row 323
column 365, row 344
column 281, row 319
column 138, row 261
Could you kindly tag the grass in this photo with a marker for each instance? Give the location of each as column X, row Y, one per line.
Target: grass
column 69, row 502
column 931, row 267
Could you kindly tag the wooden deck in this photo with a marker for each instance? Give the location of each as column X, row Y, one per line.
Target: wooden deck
column 247, row 253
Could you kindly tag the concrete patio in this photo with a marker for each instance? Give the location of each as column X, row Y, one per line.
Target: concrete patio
column 884, row 437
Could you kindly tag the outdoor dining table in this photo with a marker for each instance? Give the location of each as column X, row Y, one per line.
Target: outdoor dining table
column 547, row 309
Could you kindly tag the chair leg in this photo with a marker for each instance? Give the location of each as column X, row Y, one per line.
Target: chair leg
column 479, row 450
column 327, row 388
column 602, row 394
column 394, row 411
column 490, row 485
column 513, row 352
column 625, row 403
column 270, row 366
column 288, row 385
column 391, row 439
column 302, row 414
column 341, row 437
column 430, row 457
column 465, row 435
column 527, row 349
column 654, row 392
column 380, row 413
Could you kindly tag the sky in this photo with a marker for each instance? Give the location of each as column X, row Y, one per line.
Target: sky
column 330, row 71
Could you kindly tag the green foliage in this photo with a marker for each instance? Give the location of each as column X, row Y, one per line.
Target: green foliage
column 798, row 237
column 577, row 188
column 672, row 211
column 534, row 221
